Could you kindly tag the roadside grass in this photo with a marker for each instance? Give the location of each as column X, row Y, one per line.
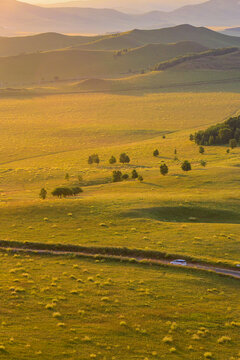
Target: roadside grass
column 60, row 307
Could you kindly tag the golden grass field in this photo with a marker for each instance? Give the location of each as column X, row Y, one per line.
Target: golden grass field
column 63, row 308
column 112, row 310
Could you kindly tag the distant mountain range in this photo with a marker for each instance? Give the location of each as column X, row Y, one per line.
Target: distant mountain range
column 20, row 18
column 133, row 6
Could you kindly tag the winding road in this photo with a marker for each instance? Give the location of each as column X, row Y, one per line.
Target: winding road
column 203, row 267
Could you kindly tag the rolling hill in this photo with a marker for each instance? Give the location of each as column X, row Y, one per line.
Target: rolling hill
column 135, row 38
column 42, row 42
column 126, row 40
column 78, row 63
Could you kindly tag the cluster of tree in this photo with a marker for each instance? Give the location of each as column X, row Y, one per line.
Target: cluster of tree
column 93, row 159
column 123, row 159
column 181, row 59
column 226, row 133
column 118, row 176
column 66, row 192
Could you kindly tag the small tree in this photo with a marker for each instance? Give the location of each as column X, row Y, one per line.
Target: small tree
column 67, row 177
column 203, row 163
column 117, row 176
column 191, row 137
column 112, row 160
column 80, row 178
column 228, row 151
column 124, row 158
column 201, row 150
column 134, row 174
column 93, row 159
column 140, row 178
column 186, row 166
column 164, row 169
column 175, row 151
column 156, row 153
column 125, row 176
column 43, row 194
column 233, row 143
column 90, row 160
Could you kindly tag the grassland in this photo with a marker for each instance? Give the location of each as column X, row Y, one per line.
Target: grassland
column 54, row 135
column 63, row 308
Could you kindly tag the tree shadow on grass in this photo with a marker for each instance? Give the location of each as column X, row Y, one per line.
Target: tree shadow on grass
column 185, row 214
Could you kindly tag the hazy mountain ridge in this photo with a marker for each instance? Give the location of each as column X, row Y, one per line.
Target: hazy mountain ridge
column 16, row 17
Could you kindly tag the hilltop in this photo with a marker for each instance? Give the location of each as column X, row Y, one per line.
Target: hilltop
column 185, row 32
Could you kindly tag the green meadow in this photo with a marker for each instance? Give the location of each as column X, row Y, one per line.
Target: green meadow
column 70, row 308
column 60, row 307
column 54, row 135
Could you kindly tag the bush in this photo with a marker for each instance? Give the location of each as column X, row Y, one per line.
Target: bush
column 140, row 178
column 164, row 169
column 203, row 163
column 156, row 153
column 112, row 160
column 93, row 159
column 201, row 150
column 67, row 177
column 117, row 176
column 43, row 194
column 134, row 174
column 186, row 166
column 124, row 158
column 125, row 176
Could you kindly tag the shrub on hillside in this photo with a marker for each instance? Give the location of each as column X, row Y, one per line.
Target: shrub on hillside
column 164, row 169
column 124, row 158
column 186, row 166
column 134, row 174
column 117, row 176
column 156, row 153
column 43, row 194
column 112, row 160
column 93, row 159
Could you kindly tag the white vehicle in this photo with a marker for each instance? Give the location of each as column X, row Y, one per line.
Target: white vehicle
column 179, row 262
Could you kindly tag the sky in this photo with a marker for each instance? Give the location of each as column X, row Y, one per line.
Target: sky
column 175, row 3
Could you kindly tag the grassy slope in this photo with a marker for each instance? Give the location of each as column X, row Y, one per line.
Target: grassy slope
column 203, row 36
column 10, row 46
column 68, row 64
column 80, row 309
column 152, row 215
